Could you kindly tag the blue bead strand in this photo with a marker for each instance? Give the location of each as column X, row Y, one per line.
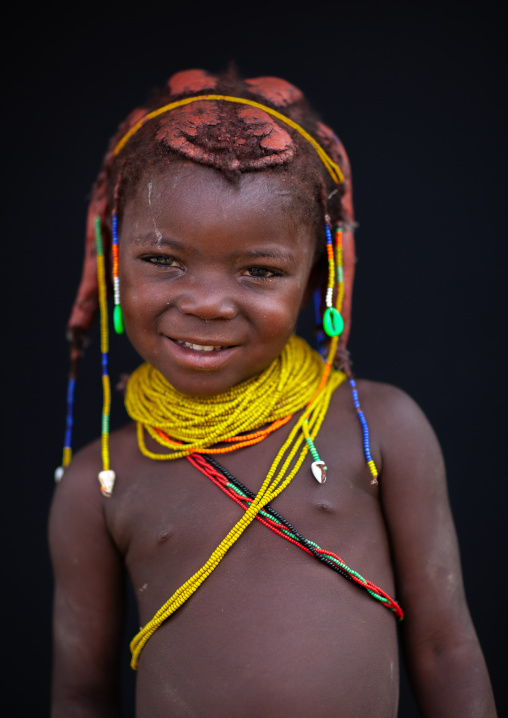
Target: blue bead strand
column 104, row 363
column 69, row 423
column 365, row 431
column 320, row 335
column 115, row 228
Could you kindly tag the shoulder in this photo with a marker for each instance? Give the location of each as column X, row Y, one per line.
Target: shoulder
column 87, row 461
column 387, row 398
column 403, row 443
column 394, row 416
column 412, row 469
column 80, row 477
column 77, row 497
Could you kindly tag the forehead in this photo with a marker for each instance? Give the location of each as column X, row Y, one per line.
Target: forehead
column 184, row 191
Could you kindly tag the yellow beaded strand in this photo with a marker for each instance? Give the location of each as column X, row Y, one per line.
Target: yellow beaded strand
column 286, row 386
column 106, row 476
column 332, row 167
column 103, row 305
column 272, row 486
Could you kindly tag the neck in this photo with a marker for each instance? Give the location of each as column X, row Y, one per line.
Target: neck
column 184, row 424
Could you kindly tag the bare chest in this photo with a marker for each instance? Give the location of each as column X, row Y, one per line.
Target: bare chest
column 273, row 616
column 168, row 517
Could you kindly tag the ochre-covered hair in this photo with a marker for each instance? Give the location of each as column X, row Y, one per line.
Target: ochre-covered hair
column 234, row 139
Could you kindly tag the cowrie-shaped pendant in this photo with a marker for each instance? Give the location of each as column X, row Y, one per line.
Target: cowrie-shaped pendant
column 107, row 481
column 319, row 471
column 59, row 474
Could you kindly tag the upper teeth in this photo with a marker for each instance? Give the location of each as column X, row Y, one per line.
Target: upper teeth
column 199, row 347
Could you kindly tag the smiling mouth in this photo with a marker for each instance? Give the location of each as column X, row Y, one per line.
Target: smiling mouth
column 201, row 347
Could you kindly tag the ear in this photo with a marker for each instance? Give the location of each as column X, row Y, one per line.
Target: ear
column 315, row 281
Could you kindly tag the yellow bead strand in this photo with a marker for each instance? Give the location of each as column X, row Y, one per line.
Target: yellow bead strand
column 103, row 305
column 286, row 386
column 332, row 167
column 296, row 380
column 272, row 486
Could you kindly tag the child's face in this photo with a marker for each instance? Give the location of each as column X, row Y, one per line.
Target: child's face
column 212, row 274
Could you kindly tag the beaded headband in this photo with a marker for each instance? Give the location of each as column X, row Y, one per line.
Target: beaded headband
column 332, row 167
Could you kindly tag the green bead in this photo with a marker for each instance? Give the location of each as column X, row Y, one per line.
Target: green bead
column 333, row 324
column 118, row 319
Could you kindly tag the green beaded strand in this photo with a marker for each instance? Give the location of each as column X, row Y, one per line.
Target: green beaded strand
column 313, row 451
column 319, row 468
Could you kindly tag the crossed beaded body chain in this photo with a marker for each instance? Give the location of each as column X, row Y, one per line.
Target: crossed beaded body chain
column 239, row 493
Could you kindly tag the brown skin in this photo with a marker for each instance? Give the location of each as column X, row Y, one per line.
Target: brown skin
column 271, row 632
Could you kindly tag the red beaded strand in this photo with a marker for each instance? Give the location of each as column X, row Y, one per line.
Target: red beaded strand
column 275, row 523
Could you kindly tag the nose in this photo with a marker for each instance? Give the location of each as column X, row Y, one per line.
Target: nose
column 207, row 298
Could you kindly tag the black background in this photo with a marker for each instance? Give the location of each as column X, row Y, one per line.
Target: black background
column 416, row 94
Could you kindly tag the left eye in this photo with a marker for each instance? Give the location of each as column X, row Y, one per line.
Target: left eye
column 162, row 260
column 262, row 273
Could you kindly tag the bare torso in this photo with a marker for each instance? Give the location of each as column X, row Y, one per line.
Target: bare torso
column 272, row 631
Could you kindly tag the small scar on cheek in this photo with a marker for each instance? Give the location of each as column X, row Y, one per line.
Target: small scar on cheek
column 142, row 588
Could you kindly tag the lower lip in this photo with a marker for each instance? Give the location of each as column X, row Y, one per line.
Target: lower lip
column 201, row 360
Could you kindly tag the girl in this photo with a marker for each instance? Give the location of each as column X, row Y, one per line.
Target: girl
column 222, row 208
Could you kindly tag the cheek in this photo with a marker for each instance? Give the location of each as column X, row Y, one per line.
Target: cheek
column 139, row 308
column 278, row 315
column 136, row 294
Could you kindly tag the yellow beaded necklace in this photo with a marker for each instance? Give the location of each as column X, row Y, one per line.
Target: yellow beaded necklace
column 296, row 380
column 171, row 417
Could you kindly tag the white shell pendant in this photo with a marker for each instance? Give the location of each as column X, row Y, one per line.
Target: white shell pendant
column 59, row 474
column 107, row 481
column 319, row 470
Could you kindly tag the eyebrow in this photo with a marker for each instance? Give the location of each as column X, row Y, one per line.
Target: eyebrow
column 156, row 241
column 269, row 253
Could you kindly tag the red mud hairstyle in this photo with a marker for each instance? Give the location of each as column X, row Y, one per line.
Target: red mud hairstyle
column 234, row 139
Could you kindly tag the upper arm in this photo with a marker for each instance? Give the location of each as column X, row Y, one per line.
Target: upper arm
column 415, row 503
column 445, row 661
column 88, row 594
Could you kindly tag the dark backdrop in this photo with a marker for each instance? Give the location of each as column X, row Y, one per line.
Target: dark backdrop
column 417, row 96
